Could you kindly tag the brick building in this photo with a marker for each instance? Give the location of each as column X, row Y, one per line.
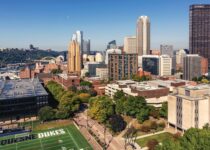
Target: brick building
column 122, row 66
column 27, row 73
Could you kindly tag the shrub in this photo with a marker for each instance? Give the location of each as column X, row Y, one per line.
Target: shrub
column 153, row 125
column 151, row 144
column 177, row 135
column 144, row 128
column 162, row 124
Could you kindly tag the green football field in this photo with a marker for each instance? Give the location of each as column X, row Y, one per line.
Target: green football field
column 72, row 139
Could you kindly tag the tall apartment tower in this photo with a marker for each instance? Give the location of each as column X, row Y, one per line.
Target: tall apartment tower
column 165, row 65
column 122, row 66
column 143, row 35
column 191, row 66
column 74, row 57
column 199, row 38
column 130, row 44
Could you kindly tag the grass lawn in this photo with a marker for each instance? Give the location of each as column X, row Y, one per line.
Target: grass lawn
column 70, row 139
column 159, row 137
column 140, row 133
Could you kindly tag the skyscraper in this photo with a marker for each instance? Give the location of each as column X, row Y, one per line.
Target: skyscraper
column 74, row 57
column 143, row 35
column 130, row 44
column 166, row 50
column 112, row 44
column 192, row 66
column 199, row 38
column 86, row 47
column 78, row 37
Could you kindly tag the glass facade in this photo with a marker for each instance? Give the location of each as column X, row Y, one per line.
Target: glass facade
column 151, row 65
column 199, row 38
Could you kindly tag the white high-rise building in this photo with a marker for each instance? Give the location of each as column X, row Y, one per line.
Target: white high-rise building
column 130, row 44
column 99, row 57
column 80, row 39
column 165, row 65
column 180, row 54
column 74, row 37
column 143, row 35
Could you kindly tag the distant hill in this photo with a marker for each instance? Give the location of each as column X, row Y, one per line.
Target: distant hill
column 9, row 56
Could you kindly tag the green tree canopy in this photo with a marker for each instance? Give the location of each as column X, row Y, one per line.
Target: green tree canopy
column 101, row 108
column 46, row 113
column 143, row 115
column 118, row 95
column 56, row 71
column 116, row 123
column 134, row 105
column 86, row 83
column 193, row 139
column 164, row 110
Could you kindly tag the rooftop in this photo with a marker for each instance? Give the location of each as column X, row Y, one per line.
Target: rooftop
column 197, row 87
column 11, row 89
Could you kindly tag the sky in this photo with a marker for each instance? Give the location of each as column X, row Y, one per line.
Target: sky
column 51, row 23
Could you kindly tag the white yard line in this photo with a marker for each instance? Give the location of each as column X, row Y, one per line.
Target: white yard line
column 73, row 139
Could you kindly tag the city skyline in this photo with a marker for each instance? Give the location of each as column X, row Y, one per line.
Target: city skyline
column 50, row 24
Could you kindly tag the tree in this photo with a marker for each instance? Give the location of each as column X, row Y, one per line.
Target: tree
column 195, row 139
column 84, row 97
column 119, row 106
column 73, row 88
column 92, row 92
column 86, row 83
column 151, row 144
column 206, row 126
column 134, row 105
column 118, row 95
column 70, row 104
column 116, row 123
column 164, row 110
column 101, row 108
column 56, row 71
column 154, row 112
column 62, row 114
column 168, row 144
column 195, row 79
column 143, row 115
column 200, row 78
column 46, row 113
column 87, row 74
column 204, row 80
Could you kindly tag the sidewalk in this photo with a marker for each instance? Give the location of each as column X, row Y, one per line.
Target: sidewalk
column 113, row 143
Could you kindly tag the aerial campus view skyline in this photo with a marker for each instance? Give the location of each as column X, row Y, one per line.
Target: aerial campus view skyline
column 104, row 75
column 50, row 24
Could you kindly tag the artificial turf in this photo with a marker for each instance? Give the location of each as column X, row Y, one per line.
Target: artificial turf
column 71, row 140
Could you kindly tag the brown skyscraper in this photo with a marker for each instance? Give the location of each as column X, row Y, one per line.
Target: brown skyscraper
column 74, row 58
column 199, row 39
